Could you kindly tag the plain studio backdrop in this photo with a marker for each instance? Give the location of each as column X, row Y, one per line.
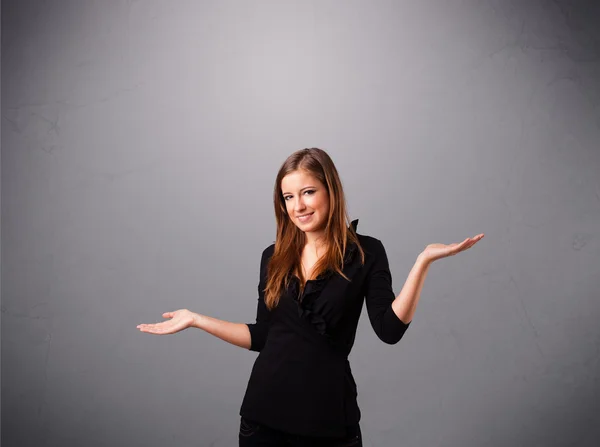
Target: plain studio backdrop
column 140, row 143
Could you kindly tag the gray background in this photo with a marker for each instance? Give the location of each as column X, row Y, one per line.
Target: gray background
column 140, row 142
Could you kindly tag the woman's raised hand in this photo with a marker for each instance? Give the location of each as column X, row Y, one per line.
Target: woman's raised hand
column 437, row 251
column 179, row 320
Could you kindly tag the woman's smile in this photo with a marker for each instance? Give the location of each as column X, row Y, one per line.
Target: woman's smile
column 305, row 217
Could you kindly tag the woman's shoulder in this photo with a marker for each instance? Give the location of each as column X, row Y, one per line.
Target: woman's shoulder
column 268, row 252
column 372, row 246
column 365, row 241
column 368, row 241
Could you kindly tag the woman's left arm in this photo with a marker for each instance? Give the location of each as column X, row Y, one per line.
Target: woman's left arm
column 405, row 304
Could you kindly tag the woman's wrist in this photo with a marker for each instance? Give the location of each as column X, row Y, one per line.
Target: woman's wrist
column 423, row 259
column 198, row 319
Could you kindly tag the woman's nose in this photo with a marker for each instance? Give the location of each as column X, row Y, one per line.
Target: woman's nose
column 299, row 205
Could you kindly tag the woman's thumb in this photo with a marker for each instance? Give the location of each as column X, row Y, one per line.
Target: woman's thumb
column 168, row 314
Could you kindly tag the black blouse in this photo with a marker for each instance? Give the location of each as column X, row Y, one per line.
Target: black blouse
column 301, row 381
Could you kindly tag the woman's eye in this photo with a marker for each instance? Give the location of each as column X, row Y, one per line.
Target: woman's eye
column 310, row 191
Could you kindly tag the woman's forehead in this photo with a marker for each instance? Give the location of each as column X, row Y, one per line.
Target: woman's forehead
column 299, row 180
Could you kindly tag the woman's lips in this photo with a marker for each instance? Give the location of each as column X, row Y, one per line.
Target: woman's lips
column 305, row 218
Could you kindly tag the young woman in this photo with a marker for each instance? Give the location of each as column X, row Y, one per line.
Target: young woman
column 312, row 285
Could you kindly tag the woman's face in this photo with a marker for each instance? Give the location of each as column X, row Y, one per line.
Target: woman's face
column 304, row 195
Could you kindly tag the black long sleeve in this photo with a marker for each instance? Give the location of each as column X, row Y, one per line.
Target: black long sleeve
column 260, row 329
column 379, row 297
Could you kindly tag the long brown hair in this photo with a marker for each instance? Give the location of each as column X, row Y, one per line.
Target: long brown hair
column 291, row 240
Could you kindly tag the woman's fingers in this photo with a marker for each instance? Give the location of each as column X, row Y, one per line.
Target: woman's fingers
column 476, row 239
column 437, row 251
column 158, row 328
column 470, row 241
column 155, row 326
column 177, row 321
column 464, row 245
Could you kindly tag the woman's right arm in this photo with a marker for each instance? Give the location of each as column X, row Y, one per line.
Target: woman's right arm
column 235, row 333
column 250, row 336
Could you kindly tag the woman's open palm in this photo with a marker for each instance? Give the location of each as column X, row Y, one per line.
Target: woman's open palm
column 438, row 251
column 179, row 320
